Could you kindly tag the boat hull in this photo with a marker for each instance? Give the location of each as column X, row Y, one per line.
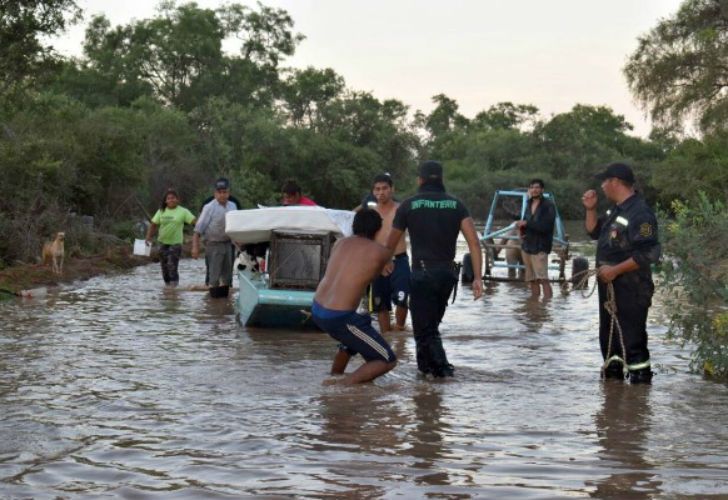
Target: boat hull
column 260, row 306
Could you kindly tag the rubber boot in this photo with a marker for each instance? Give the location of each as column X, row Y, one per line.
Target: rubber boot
column 643, row 376
column 441, row 367
column 613, row 371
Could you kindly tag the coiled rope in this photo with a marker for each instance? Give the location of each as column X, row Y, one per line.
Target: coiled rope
column 610, row 305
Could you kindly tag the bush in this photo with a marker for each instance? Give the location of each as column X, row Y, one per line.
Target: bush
column 696, row 279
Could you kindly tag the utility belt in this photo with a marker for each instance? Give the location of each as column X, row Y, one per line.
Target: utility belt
column 423, row 265
column 448, row 265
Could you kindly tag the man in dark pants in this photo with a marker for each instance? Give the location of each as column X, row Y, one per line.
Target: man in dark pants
column 627, row 246
column 434, row 219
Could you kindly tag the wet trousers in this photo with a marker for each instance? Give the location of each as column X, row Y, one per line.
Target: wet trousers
column 633, row 294
column 169, row 256
column 429, row 292
column 219, row 258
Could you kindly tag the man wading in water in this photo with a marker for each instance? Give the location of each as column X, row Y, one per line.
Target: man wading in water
column 393, row 284
column 626, row 248
column 355, row 261
column 434, row 220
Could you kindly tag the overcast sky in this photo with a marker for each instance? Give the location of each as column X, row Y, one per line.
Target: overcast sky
column 549, row 53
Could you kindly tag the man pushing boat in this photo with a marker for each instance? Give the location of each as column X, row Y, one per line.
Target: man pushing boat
column 355, row 261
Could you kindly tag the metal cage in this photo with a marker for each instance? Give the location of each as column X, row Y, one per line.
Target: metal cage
column 298, row 260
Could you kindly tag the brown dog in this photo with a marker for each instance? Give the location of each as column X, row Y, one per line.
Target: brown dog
column 54, row 253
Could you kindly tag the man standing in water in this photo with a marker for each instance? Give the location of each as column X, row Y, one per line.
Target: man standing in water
column 393, row 284
column 218, row 247
column 434, row 220
column 537, row 233
column 353, row 264
column 627, row 246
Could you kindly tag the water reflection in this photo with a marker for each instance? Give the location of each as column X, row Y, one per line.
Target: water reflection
column 533, row 313
column 427, row 435
column 623, row 424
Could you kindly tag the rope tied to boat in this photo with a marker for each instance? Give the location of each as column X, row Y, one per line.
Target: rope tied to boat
column 610, row 305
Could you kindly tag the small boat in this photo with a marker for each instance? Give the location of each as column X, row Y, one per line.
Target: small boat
column 283, row 256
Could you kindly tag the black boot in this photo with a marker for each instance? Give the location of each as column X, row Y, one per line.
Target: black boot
column 613, row 371
column 442, row 371
column 643, row 376
column 441, row 367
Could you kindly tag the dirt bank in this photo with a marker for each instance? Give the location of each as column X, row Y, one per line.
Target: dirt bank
column 28, row 276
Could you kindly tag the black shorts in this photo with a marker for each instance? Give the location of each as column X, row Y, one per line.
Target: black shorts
column 393, row 288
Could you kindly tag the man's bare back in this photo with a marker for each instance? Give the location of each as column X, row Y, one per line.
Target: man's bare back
column 355, row 261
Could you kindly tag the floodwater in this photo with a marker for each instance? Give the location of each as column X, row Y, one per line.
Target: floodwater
column 117, row 388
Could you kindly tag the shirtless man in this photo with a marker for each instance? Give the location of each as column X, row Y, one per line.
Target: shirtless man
column 354, row 263
column 393, row 284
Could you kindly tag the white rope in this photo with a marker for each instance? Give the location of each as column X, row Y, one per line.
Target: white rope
column 610, row 305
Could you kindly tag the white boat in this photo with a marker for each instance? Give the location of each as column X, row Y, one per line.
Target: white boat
column 277, row 288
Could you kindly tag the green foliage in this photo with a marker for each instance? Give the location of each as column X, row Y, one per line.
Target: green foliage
column 696, row 279
column 22, row 25
column 157, row 103
column 508, row 144
column 178, row 56
column 444, row 119
column 506, row 115
column 680, row 68
column 306, row 91
column 694, row 167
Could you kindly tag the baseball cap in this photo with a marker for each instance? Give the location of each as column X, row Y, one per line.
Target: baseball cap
column 222, row 183
column 618, row 170
column 431, row 170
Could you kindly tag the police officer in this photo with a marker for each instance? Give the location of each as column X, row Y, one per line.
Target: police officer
column 627, row 245
column 434, row 219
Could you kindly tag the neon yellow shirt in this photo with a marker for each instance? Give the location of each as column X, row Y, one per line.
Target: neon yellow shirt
column 171, row 222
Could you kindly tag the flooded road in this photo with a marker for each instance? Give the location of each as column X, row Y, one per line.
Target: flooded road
column 118, row 388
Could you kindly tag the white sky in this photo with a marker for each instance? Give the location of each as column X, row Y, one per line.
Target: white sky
column 549, row 53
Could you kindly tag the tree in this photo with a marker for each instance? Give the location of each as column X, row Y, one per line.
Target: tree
column 179, row 52
column 680, row 68
column 695, row 280
column 506, row 115
column 694, row 168
column 575, row 143
column 305, row 91
column 22, row 24
column 445, row 117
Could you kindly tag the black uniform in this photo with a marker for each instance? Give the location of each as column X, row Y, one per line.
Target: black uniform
column 627, row 230
column 433, row 219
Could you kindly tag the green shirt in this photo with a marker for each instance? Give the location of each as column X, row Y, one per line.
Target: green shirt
column 171, row 222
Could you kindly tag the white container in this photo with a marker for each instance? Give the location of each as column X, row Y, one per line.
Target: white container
column 141, row 248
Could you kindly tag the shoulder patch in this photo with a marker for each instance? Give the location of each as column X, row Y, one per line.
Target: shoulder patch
column 646, row 230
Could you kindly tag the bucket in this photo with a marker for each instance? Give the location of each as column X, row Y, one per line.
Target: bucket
column 141, row 248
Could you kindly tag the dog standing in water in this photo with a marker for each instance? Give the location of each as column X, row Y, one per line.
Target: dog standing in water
column 54, row 253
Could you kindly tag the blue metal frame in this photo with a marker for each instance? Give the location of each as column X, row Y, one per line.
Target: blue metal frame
column 502, row 233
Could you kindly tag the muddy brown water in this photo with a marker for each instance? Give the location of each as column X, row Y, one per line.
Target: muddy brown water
column 117, row 388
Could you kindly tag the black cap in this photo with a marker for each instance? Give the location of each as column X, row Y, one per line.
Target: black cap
column 618, row 170
column 222, row 183
column 431, row 170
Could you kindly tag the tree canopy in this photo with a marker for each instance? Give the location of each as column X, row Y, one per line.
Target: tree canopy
column 680, row 67
column 22, row 25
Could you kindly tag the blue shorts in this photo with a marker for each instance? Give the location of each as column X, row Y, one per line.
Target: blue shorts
column 355, row 333
column 393, row 288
